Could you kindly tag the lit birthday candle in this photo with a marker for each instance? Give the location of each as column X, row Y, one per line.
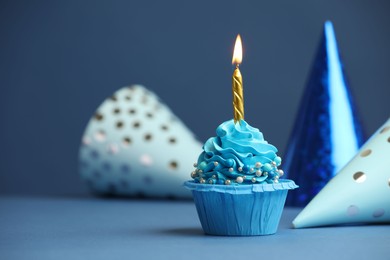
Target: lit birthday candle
column 238, row 96
column 236, row 175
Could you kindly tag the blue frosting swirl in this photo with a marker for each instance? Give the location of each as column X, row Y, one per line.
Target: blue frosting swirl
column 237, row 155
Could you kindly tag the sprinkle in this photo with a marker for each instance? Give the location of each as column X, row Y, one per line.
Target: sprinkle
column 278, row 160
column 267, row 167
column 239, row 179
column 202, row 165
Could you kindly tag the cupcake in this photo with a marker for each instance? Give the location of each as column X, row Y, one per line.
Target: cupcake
column 237, row 186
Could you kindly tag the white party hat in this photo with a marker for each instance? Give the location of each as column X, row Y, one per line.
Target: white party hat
column 359, row 193
column 134, row 146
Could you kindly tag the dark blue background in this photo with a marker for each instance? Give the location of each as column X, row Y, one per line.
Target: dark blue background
column 60, row 59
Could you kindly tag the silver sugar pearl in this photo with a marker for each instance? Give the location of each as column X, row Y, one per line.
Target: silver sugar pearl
column 214, row 176
column 201, row 180
column 276, row 181
column 211, row 181
column 240, row 169
column 230, row 169
column 216, row 163
column 195, row 164
column 251, row 170
column 200, row 171
column 281, row 172
column 258, row 165
column 239, row 179
column 254, row 180
column 258, row 173
column 273, row 163
column 227, row 182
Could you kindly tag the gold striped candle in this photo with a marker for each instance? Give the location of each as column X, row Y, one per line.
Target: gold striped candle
column 237, row 87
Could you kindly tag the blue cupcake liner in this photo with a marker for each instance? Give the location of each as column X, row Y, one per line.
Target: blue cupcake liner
column 241, row 210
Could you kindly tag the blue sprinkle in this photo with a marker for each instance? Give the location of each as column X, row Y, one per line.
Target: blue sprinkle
column 202, row 165
column 267, row 167
column 277, row 160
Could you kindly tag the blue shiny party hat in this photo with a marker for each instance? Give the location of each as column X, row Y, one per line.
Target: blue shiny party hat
column 327, row 131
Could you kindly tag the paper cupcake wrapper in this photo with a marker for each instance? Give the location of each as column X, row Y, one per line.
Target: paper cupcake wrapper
column 242, row 189
column 245, row 211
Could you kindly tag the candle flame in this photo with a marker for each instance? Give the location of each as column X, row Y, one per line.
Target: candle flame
column 237, row 53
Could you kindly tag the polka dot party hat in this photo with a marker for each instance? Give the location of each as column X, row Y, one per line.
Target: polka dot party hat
column 359, row 193
column 135, row 146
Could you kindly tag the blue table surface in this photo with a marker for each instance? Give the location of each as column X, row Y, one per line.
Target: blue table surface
column 94, row 228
